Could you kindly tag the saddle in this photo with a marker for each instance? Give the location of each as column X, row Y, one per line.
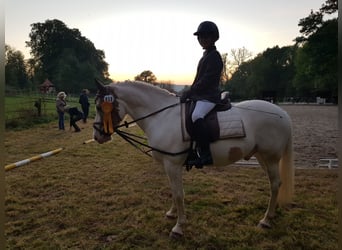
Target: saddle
column 221, row 124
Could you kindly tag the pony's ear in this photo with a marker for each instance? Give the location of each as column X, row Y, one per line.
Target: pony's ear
column 100, row 86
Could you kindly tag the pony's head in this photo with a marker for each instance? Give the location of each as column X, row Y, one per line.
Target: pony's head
column 107, row 113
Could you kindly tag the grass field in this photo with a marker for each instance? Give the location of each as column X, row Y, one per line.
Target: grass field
column 111, row 196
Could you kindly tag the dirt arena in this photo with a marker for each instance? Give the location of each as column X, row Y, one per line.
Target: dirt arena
column 315, row 133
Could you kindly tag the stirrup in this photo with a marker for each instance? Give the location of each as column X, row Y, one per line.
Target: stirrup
column 191, row 158
column 194, row 162
column 197, row 161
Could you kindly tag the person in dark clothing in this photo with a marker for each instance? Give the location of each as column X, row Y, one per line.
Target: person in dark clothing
column 205, row 89
column 84, row 104
column 75, row 115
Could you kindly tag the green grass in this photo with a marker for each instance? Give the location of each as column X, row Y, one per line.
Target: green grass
column 111, row 196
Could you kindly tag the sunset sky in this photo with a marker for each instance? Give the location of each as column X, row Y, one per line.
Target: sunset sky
column 158, row 35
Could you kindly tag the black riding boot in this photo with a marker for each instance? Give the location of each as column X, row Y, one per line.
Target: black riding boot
column 202, row 144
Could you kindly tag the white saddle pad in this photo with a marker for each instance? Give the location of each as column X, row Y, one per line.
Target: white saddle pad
column 230, row 123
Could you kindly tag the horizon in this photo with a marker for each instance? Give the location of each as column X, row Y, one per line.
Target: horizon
column 158, row 36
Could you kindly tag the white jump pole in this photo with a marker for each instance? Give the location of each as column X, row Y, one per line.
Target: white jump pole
column 34, row 158
column 88, row 141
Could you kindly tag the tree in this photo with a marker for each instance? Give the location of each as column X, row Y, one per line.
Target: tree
column 267, row 75
column 310, row 24
column 316, row 62
column 238, row 56
column 237, row 84
column 15, row 69
column 146, row 76
column 316, row 58
column 225, row 73
column 64, row 56
column 307, row 69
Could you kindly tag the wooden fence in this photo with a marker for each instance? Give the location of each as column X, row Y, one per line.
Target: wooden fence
column 21, row 108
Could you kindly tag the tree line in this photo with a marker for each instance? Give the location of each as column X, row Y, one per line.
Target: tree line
column 304, row 70
column 59, row 54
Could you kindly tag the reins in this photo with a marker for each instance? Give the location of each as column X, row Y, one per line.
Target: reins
column 130, row 138
column 126, row 124
column 257, row 110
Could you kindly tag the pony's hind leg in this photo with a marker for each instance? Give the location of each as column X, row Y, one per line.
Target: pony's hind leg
column 272, row 169
column 174, row 172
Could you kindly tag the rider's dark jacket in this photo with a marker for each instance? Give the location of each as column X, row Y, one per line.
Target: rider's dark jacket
column 207, row 79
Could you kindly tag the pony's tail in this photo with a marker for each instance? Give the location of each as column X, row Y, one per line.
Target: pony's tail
column 287, row 171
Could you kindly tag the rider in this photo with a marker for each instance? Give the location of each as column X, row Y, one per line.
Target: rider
column 205, row 89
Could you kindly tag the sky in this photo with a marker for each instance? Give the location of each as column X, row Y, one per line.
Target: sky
column 157, row 35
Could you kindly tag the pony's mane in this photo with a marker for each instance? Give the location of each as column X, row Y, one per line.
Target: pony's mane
column 143, row 86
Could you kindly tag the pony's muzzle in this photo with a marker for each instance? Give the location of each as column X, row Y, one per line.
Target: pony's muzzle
column 100, row 135
column 102, row 139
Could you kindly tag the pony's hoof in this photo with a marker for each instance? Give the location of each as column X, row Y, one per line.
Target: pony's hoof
column 264, row 225
column 176, row 236
column 171, row 216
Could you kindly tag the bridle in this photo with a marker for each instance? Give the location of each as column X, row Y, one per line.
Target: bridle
column 132, row 139
column 109, row 111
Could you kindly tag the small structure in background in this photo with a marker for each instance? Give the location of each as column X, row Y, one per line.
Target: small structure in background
column 47, row 87
column 320, row 100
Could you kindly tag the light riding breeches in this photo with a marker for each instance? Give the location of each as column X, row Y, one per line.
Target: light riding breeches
column 202, row 108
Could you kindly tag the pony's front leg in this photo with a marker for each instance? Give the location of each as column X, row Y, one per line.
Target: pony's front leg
column 174, row 173
column 172, row 213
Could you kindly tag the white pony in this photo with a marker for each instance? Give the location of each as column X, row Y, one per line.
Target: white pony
column 268, row 138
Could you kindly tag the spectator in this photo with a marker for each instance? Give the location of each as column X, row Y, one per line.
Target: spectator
column 60, row 106
column 84, row 104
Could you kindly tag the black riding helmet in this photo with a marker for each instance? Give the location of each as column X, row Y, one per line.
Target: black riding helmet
column 208, row 28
